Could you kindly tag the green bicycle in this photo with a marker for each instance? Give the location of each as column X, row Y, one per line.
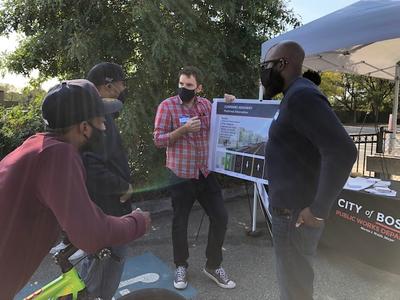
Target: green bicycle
column 69, row 286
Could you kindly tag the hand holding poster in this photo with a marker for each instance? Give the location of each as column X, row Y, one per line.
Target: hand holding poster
column 238, row 136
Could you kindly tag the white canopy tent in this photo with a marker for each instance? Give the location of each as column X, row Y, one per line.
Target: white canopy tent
column 363, row 38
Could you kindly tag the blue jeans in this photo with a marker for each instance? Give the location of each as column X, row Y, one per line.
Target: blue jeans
column 102, row 277
column 294, row 250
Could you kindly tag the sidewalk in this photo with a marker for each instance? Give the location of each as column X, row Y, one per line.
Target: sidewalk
column 249, row 261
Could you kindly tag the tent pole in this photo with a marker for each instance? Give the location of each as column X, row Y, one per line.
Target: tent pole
column 260, row 92
column 395, row 109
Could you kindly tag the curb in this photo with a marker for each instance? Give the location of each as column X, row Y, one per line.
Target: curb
column 163, row 205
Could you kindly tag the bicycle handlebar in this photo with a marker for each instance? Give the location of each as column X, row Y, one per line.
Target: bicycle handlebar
column 62, row 257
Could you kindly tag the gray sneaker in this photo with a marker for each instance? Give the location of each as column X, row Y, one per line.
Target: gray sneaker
column 220, row 277
column 180, row 281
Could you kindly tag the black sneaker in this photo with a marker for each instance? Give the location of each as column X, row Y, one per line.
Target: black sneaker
column 220, row 277
column 180, row 281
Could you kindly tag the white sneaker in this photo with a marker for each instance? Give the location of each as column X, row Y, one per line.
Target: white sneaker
column 57, row 248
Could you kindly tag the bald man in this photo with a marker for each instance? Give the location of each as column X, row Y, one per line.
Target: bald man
column 309, row 157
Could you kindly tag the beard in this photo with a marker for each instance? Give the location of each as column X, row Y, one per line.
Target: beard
column 95, row 143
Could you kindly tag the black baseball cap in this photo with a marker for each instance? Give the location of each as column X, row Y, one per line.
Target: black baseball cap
column 71, row 102
column 105, row 72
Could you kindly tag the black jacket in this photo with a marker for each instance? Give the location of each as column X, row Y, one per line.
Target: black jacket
column 108, row 174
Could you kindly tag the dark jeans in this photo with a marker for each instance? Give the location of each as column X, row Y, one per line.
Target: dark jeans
column 208, row 192
column 294, row 250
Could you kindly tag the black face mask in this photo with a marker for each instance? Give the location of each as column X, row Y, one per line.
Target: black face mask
column 272, row 81
column 95, row 143
column 122, row 96
column 185, row 94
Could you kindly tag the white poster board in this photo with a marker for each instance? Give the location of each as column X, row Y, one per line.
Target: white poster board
column 238, row 136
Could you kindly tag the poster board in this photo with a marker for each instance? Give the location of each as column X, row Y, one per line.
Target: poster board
column 238, row 136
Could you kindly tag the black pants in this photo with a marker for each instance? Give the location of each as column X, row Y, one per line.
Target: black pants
column 208, row 192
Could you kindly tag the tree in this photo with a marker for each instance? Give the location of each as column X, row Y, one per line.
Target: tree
column 330, row 85
column 378, row 93
column 357, row 93
column 152, row 40
column 11, row 93
column 344, row 93
column 20, row 121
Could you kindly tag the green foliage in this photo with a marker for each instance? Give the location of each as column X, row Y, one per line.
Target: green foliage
column 378, row 93
column 152, row 40
column 19, row 122
column 329, row 85
column 65, row 38
column 356, row 93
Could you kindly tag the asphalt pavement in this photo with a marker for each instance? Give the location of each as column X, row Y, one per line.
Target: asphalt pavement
column 249, row 260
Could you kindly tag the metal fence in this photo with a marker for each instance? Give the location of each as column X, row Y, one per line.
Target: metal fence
column 368, row 144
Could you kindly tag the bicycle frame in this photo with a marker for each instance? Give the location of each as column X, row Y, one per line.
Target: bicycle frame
column 68, row 284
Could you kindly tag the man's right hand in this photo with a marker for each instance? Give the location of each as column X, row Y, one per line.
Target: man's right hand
column 307, row 218
column 193, row 125
column 146, row 216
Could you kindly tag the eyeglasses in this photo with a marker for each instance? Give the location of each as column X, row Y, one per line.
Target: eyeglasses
column 268, row 64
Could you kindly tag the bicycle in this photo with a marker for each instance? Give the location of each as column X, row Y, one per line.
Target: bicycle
column 69, row 285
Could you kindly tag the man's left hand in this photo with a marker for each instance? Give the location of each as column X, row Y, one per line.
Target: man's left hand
column 229, row 98
column 307, row 218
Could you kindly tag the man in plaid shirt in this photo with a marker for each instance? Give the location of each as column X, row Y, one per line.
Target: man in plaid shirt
column 182, row 125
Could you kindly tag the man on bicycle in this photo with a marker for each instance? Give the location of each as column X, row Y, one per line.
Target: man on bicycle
column 42, row 189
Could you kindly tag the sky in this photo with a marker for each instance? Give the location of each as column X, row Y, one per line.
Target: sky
column 310, row 10
column 306, row 10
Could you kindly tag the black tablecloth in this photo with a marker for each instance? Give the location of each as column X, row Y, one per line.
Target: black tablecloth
column 366, row 227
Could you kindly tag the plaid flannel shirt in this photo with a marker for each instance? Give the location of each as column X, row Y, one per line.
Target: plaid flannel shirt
column 189, row 154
